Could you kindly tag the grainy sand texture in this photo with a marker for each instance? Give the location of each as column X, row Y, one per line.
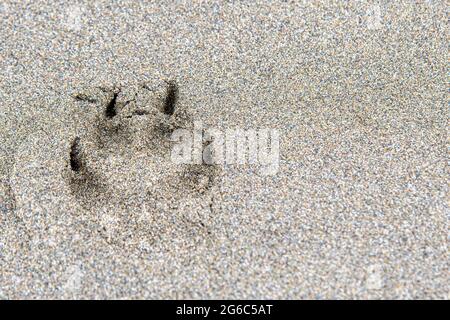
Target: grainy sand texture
column 92, row 206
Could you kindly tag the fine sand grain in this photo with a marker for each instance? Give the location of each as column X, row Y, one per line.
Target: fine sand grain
column 91, row 205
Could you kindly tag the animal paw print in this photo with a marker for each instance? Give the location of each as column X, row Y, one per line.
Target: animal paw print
column 120, row 170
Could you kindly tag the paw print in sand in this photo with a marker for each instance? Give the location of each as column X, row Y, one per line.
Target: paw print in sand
column 122, row 174
column 109, row 164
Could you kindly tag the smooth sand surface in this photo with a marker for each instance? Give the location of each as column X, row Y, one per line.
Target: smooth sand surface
column 357, row 91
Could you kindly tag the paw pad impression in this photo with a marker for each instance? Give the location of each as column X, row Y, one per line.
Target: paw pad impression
column 120, row 171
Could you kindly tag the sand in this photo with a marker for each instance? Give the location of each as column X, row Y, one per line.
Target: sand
column 357, row 91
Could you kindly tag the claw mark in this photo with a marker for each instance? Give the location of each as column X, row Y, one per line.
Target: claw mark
column 75, row 162
column 211, row 204
column 83, row 97
column 138, row 112
column 171, row 98
column 111, row 111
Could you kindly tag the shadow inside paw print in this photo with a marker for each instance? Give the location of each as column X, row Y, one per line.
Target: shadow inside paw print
column 120, row 170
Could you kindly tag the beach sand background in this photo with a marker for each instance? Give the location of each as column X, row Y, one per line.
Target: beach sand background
column 358, row 208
